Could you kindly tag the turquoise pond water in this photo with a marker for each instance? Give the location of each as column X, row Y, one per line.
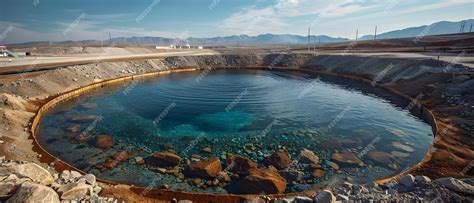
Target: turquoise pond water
column 248, row 112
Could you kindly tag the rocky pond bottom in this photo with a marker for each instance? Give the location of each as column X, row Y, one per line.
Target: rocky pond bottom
column 236, row 131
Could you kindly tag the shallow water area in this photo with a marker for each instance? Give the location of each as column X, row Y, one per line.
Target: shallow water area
column 253, row 113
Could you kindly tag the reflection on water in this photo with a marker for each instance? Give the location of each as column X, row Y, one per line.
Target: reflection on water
column 248, row 112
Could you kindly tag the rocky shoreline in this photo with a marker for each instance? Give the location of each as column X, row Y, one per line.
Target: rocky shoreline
column 29, row 182
column 22, row 181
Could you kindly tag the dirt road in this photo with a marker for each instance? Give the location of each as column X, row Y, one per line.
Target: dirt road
column 28, row 64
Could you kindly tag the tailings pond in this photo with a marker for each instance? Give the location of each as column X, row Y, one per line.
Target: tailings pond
column 357, row 131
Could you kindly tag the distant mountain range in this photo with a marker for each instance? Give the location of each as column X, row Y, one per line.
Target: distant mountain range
column 438, row 28
column 228, row 40
column 443, row 27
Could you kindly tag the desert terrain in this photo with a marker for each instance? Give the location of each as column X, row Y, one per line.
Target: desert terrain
column 433, row 74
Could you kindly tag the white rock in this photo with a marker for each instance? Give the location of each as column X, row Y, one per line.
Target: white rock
column 66, row 175
column 456, row 185
column 32, row 192
column 75, row 175
column 407, row 180
column 324, row 196
column 96, row 189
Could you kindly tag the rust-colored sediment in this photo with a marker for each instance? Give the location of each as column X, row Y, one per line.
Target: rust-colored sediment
column 446, row 159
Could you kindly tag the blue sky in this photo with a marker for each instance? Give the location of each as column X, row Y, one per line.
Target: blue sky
column 58, row 20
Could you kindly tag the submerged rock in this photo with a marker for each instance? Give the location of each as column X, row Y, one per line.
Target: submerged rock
column 121, row 156
column 332, row 143
column 104, row 141
column 207, row 150
column 113, row 161
column 82, row 137
column 239, row 164
column 351, row 143
column 403, row 147
column 379, row 157
column 208, row 168
column 83, row 118
column 346, row 158
column 308, row 157
column 279, row 159
column 32, row 192
column 89, row 106
column 261, row 181
column 74, row 128
column 163, row 159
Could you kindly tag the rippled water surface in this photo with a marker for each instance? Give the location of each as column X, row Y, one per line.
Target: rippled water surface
column 248, row 112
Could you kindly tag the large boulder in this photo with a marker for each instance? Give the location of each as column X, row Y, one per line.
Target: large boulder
column 163, row 159
column 347, row 159
column 74, row 190
column 208, row 168
column 239, row 164
column 456, row 185
column 104, row 141
column 279, row 159
column 32, row 192
column 261, row 181
column 29, row 170
column 308, row 157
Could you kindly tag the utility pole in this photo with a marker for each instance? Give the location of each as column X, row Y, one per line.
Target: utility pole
column 357, row 34
column 375, row 36
column 470, row 29
column 110, row 39
column 309, row 38
column 461, row 29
